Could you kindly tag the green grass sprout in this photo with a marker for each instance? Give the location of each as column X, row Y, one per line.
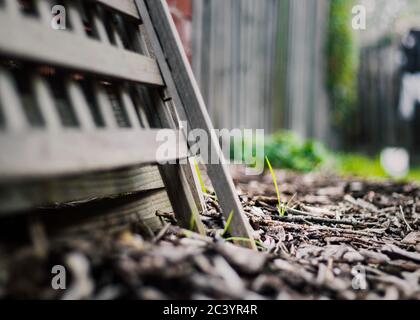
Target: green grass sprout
column 228, row 222
column 280, row 207
column 200, row 178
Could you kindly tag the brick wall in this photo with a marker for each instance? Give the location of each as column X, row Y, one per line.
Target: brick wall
column 182, row 14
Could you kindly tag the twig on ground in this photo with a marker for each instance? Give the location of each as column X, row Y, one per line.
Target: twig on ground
column 405, row 221
column 303, row 219
column 161, row 233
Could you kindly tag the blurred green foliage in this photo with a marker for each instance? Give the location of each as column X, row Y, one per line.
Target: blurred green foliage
column 285, row 150
column 341, row 62
column 288, row 151
column 366, row 167
column 360, row 165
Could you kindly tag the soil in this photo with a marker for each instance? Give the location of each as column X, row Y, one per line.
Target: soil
column 339, row 239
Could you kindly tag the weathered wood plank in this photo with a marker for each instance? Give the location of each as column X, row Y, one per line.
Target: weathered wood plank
column 193, row 180
column 46, row 103
column 15, row 119
column 80, row 104
column 175, row 177
column 100, row 27
column 13, row 7
column 27, row 194
column 129, row 107
column 38, row 153
column 184, row 199
column 161, row 24
column 40, row 169
column 84, row 219
column 105, row 106
column 35, row 41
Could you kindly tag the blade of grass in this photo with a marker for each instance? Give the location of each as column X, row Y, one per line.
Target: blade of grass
column 200, row 178
column 280, row 207
column 228, row 221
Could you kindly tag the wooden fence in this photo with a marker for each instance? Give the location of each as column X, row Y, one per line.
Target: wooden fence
column 82, row 109
column 302, row 103
column 378, row 95
column 381, row 123
column 234, row 53
column 74, row 111
column 260, row 63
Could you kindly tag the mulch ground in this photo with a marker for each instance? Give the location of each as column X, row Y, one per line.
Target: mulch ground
column 341, row 239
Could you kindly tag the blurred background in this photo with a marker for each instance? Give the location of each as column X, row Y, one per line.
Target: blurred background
column 319, row 88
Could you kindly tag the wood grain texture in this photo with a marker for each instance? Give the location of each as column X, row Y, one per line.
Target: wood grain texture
column 175, row 177
column 84, row 174
column 34, row 41
column 234, row 60
column 40, row 154
column 26, row 194
column 194, row 108
column 108, row 216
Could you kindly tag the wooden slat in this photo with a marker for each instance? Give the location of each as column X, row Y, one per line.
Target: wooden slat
column 74, row 15
column 115, row 215
column 105, row 106
column 126, row 7
column 33, row 40
column 107, row 215
column 100, row 26
column 192, row 177
column 181, row 191
column 181, row 196
column 27, row 194
column 162, row 32
column 38, row 154
column 12, row 7
column 118, row 41
column 46, row 103
column 12, row 105
column 44, row 10
column 80, row 104
column 130, row 108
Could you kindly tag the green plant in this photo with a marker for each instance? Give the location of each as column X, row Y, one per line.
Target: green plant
column 287, row 151
column 228, row 222
column 366, row 167
column 280, row 207
column 200, row 178
column 237, row 239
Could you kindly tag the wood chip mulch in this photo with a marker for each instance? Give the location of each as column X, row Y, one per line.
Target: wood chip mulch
column 339, row 239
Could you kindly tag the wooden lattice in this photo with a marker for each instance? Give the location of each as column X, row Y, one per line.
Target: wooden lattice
column 80, row 108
